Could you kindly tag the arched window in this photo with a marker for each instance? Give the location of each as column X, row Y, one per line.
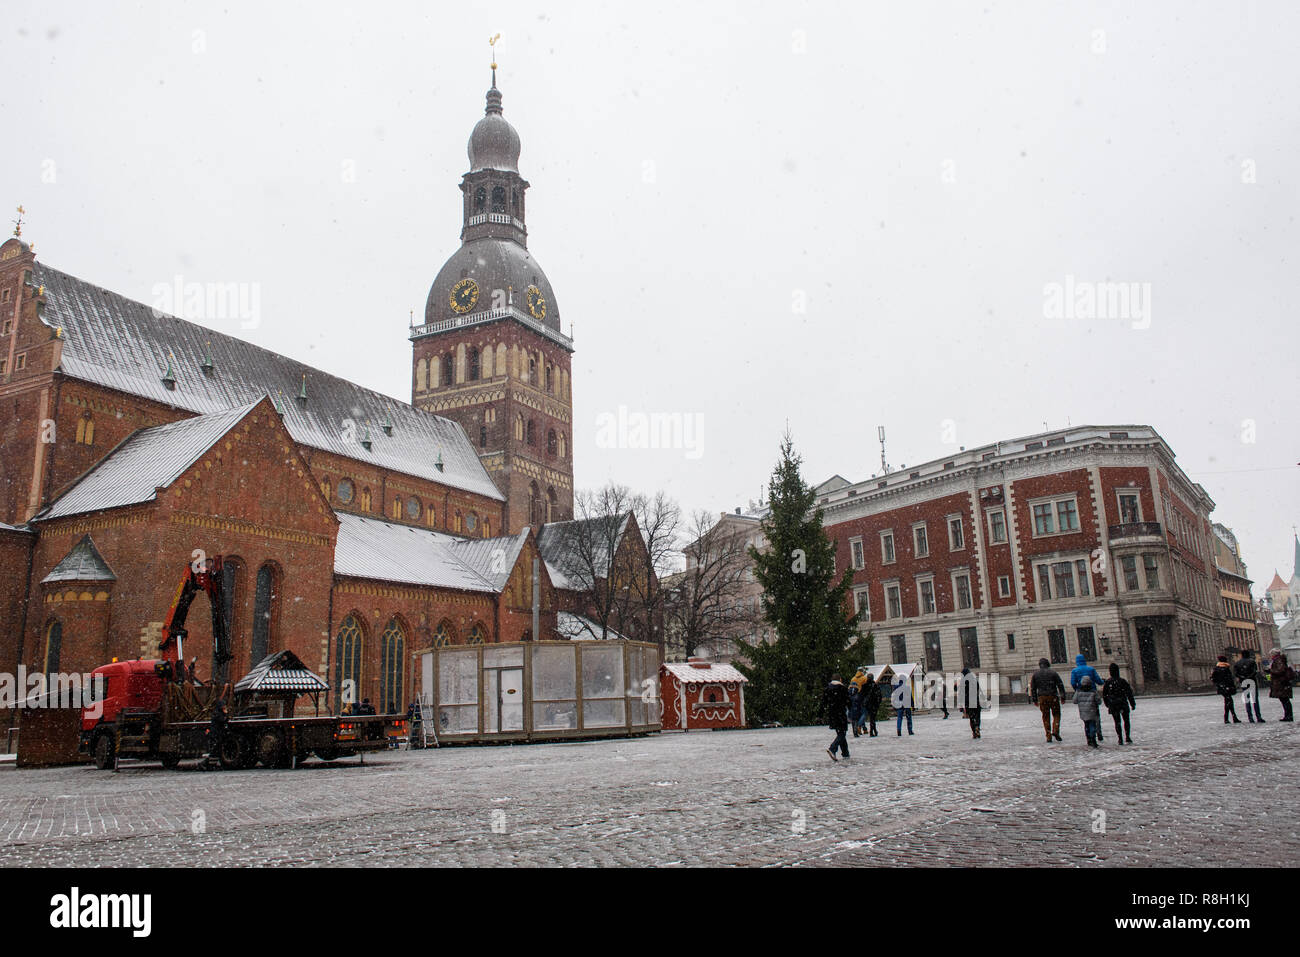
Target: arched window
column 482, row 436
column 86, row 429
column 264, row 615
column 532, row 371
column 432, row 518
column 480, row 200
column 413, row 509
column 232, row 587
column 393, row 652
column 498, row 199
column 550, row 379
column 552, row 505
column 347, row 668
column 346, row 491
column 397, row 506
column 564, row 445
column 487, row 528
column 519, row 426
column 445, row 635
column 53, row 646
column 477, row 634
column 471, row 522
column 459, row 521
column 448, row 369
column 534, row 504
column 532, row 433
column 421, row 375
column 551, row 443
column 473, row 364
column 365, row 500
column 514, row 201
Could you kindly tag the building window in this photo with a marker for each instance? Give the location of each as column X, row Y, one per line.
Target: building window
column 1062, row 579
column 498, row 199
column 480, row 200
column 1055, row 517
column 552, row 504
column 482, row 436
column 532, row 433
column 8, row 326
column 1130, row 508
column 925, row 596
column 1151, row 568
column 1056, row 645
column 345, row 491
column 1128, row 567
column 432, row 517
column 265, row 603
column 862, row 603
column 448, row 369
column 551, row 442
column 933, row 652
column 1087, row 643
column 564, row 445
column 970, row 648
column 476, row 634
column 459, row 523
column 920, row 540
column 393, row 651
column 961, row 591
column 893, row 601
column 1081, row 572
column 898, row 648
column 397, row 507
column 473, row 365
column 413, row 509
column 53, row 647
column 471, row 521
column 887, row 548
column 997, row 526
column 4, row 366
column 519, row 426
column 365, row 500
column 348, row 668
column 855, row 547
column 86, row 430
column 444, row 636
column 532, row 371
column 956, row 540
column 20, row 362
column 1011, row 641
column 1004, row 586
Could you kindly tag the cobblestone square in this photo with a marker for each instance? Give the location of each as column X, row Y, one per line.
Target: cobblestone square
column 749, row 798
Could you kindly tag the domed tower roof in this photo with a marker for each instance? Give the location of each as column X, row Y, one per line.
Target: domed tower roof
column 494, row 144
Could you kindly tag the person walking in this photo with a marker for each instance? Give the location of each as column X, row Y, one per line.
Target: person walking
column 1084, row 670
column 1226, row 685
column 1247, row 672
column 835, row 700
column 968, row 696
column 1279, row 683
column 1048, row 691
column 902, row 701
column 1086, row 699
column 870, row 704
column 1118, row 696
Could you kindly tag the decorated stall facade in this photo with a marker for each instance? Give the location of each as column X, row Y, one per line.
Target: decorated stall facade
column 700, row 694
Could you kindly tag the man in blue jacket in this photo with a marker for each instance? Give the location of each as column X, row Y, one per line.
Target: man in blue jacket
column 1084, row 670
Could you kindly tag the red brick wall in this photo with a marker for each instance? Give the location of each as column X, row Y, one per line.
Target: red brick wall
column 1084, row 540
column 1114, row 480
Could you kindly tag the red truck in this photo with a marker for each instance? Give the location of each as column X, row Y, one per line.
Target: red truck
column 156, row 709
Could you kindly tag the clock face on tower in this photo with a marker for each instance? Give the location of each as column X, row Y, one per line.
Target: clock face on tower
column 536, row 303
column 464, row 295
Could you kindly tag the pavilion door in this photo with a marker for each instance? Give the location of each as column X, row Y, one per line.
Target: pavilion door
column 1147, row 653
column 505, row 699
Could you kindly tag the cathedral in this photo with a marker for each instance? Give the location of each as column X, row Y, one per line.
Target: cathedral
column 356, row 530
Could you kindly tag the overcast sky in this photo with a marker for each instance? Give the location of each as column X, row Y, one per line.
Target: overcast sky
column 839, row 215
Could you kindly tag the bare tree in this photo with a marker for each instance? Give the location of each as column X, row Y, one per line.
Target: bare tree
column 658, row 519
column 586, row 552
column 710, row 599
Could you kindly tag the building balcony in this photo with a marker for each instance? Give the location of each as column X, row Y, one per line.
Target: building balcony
column 1134, row 532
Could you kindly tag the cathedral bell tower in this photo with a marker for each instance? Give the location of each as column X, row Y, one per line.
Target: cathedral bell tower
column 490, row 354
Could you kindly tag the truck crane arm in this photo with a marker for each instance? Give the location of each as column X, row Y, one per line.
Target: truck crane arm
column 205, row 576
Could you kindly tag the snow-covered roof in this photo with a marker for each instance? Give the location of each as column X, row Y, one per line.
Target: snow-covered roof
column 125, row 345
column 580, row 628
column 280, row 672
column 713, row 671
column 387, row 551
column 83, row 563
column 146, row 461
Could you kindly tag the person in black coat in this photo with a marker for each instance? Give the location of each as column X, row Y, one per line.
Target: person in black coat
column 968, row 699
column 871, row 704
column 1118, row 697
column 1247, row 669
column 1227, row 687
column 835, row 701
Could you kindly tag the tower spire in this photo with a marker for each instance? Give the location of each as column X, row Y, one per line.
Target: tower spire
column 492, row 42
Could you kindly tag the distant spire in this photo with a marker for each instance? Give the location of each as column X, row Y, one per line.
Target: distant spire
column 18, row 223
column 494, row 95
column 302, row 392
column 1296, row 570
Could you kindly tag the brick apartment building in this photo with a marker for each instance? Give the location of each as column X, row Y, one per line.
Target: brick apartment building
column 1085, row 540
column 357, row 530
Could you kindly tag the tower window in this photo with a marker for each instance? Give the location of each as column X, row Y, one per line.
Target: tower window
column 532, row 371
column 448, row 367
column 550, row 442
column 86, row 430
column 514, row 201
column 480, row 202
column 532, row 433
column 473, row 365
column 482, row 436
column 498, row 199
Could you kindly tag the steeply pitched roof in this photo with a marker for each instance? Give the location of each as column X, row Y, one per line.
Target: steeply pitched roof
column 386, row 551
column 279, row 672
column 1276, row 584
column 574, row 549
column 125, row 345
column 82, row 564
column 146, row 461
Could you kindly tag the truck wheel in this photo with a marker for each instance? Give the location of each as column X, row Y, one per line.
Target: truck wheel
column 232, row 752
column 250, row 754
column 270, row 749
column 104, row 751
column 327, row 754
column 170, row 761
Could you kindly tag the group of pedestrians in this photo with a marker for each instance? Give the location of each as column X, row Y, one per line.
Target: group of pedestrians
column 1244, row 676
column 1047, row 691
